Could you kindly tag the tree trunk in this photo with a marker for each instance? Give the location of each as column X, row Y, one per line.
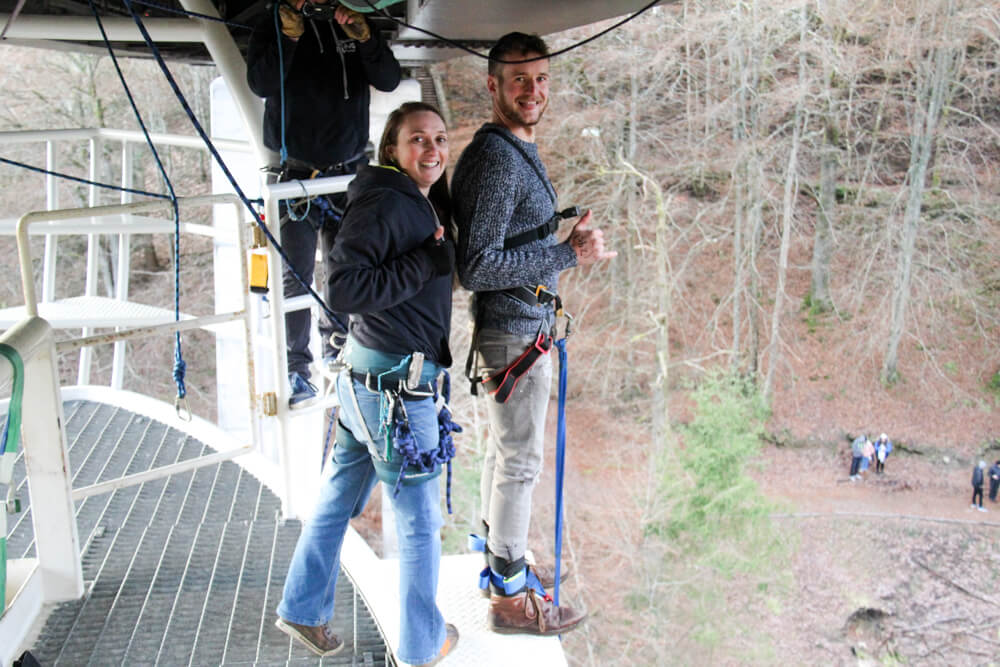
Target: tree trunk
column 932, row 92
column 819, row 293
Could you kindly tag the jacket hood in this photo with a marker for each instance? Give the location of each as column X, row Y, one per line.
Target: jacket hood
column 375, row 177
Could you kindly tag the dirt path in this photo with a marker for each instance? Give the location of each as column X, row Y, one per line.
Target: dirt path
column 916, row 486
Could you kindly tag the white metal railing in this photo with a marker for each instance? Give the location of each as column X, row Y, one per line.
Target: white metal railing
column 95, row 138
column 295, row 466
column 56, row 573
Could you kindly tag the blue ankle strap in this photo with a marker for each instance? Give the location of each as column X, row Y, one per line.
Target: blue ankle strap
column 476, row 543
column 509, row 585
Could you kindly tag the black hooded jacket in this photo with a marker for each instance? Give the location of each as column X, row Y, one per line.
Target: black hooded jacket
column 386, row 273
column 326, row 88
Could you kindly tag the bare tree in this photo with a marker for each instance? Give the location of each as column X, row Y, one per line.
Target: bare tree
column 934, row 80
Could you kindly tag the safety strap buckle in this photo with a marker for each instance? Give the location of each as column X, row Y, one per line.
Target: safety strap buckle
column 544, row 295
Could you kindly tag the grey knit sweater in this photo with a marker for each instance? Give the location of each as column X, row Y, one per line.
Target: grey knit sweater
column 497, row 195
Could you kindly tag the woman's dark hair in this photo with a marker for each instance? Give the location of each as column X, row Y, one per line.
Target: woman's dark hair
column 438, row 194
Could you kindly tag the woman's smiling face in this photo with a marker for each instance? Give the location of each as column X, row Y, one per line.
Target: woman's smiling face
column 421, row 148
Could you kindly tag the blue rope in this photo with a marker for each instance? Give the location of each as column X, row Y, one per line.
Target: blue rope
column 222, row 165
column 446, row 443
column 283, row 152
column 180, row 366
column 84, row 181
column 195, row 15
column 281, row 82
column 560, row 462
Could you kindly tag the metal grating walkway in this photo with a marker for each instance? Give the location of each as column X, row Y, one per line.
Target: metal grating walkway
column 185, row 570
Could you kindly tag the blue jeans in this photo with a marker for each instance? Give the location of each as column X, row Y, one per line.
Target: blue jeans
column 308, row 597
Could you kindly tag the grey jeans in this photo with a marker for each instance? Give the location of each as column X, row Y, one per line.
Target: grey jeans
column 513, row 461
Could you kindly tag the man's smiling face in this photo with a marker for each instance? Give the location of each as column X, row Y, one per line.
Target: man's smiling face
column 521, row 91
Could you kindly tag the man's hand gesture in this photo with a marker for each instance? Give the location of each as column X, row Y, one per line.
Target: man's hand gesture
column 587, row 243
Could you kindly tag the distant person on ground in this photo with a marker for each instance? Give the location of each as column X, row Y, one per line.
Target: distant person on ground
column 867, row 454
column 857, row 453
column 977, row 486
column 330, row 56
column 994, row 480
column 883, row 447
column 392, row 262
column 505, row 207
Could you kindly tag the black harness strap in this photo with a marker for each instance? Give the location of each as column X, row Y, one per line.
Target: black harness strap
column 527, row 158
column 502, row 383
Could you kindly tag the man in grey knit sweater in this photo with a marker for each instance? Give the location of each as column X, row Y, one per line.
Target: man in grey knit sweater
column 501, row 195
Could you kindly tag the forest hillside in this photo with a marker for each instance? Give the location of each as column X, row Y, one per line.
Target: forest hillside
column 805, row 201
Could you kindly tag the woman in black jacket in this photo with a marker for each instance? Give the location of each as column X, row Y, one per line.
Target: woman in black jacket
column 391, row 269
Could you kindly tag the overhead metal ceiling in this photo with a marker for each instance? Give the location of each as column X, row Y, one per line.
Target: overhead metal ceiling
column 65, row 23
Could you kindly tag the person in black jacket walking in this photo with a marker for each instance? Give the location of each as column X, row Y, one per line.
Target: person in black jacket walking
column 977, row 486
column 994, row 480
column 322, row 60
column 392, row 270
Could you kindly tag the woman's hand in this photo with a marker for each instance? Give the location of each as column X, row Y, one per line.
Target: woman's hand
column 441, row 252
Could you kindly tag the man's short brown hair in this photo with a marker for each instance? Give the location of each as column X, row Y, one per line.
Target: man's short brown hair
column 514, row 45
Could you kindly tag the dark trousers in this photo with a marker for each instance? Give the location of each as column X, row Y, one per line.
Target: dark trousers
column 879, row 466
column 994, row 487
column 977, row 491
column 855, row 464
column 298, row 240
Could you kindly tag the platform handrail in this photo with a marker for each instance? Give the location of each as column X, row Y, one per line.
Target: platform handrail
column 274, row 193
column 58, row 574
column 32, row 217
column 130, row 136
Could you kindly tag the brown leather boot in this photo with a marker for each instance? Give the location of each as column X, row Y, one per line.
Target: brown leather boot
column 529, row 613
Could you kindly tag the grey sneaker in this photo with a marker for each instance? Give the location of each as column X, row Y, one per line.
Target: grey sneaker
column 319, row 639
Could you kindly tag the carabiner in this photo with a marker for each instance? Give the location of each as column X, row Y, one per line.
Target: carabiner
column 182, row 409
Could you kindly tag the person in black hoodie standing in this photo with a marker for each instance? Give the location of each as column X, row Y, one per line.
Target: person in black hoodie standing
column 321, row 59
column 391, row 266
column 977, row 486
column 994, row 480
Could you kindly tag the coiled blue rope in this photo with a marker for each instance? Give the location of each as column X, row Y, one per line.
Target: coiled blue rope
column 412, row 458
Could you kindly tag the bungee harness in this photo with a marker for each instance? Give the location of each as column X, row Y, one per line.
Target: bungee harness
column 398, row 459
column 501, row 384
column 525, row 577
